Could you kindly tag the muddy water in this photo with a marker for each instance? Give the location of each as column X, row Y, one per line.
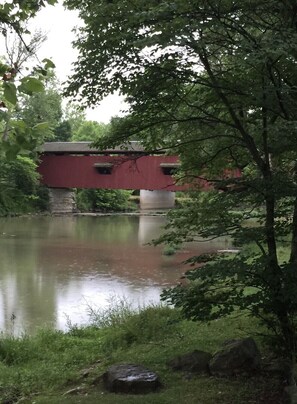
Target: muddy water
column 53, row 269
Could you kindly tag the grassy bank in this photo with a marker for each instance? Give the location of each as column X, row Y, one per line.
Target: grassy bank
column 42, row 368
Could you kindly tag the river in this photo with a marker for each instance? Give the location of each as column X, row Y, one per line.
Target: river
column 54, row 269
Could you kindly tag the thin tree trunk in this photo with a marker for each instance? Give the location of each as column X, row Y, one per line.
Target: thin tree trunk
column 293, row 256
column 270, row 232
column 287, row 328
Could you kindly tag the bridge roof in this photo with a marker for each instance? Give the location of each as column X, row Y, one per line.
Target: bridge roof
column 85, row 148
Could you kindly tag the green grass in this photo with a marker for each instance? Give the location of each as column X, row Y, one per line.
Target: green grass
column 41, row 368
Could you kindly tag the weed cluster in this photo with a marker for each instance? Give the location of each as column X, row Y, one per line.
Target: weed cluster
column 123, row 326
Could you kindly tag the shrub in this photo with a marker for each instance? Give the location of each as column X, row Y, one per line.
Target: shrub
column 104, row 200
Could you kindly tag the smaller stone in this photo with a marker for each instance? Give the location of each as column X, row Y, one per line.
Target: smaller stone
column 194, row 362
column 130, row 379
column 235, row 357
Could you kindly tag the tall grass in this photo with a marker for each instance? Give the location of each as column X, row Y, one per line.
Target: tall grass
column 124, row 325
column 41, row 368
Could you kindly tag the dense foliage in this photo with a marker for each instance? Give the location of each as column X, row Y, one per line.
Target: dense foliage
column 18, row 80
column 89, row 131
column 30, row 110
column 216, row 82
column 45, row 106
column 103, row 200
column 20, row 135
column 19, row 187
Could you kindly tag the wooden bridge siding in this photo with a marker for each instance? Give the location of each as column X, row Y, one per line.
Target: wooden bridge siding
column 69, row 171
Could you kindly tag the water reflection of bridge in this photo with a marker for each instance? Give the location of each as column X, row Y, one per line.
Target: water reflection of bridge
column 50, row 266
column 67, row 165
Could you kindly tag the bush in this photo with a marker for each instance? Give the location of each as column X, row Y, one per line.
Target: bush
column 170, row 249
column 104, row 200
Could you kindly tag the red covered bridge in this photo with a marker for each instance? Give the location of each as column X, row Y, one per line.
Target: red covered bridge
column 77, row 165
column 67, row 165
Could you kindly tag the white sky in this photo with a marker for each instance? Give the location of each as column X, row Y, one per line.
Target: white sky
column 58, row 23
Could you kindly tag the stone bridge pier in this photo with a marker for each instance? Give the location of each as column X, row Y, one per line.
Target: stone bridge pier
column 62, row 200
column 156, row 199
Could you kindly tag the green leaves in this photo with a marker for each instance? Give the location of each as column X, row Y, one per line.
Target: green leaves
column 30, row 85
column 48, row 64
column 52, row 2
column 18, row 184
column 16, row 12
column 21, row 136
column 15, row 136
column 10, row 92
column 3, row 68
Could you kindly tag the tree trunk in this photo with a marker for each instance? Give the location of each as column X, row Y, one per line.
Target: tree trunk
column 281, row 309
column 293, row 256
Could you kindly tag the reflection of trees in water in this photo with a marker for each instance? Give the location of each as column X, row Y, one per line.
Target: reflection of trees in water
column 111, row 229
column 27, row 298
column 45, row 259
column 92, row 228
column 51, row 263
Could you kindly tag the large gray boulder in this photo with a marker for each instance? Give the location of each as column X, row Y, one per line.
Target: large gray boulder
column 194, row 362
column 130, row 379
column 237, row 356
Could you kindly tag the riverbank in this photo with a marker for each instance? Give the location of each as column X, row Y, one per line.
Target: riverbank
column 55, row 367
column 122, row 213
column 135, row 213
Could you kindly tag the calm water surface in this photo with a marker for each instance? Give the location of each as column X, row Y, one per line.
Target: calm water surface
column 54, row 268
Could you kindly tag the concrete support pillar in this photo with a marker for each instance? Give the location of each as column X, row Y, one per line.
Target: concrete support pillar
column 156, row 199
column 61, row 200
